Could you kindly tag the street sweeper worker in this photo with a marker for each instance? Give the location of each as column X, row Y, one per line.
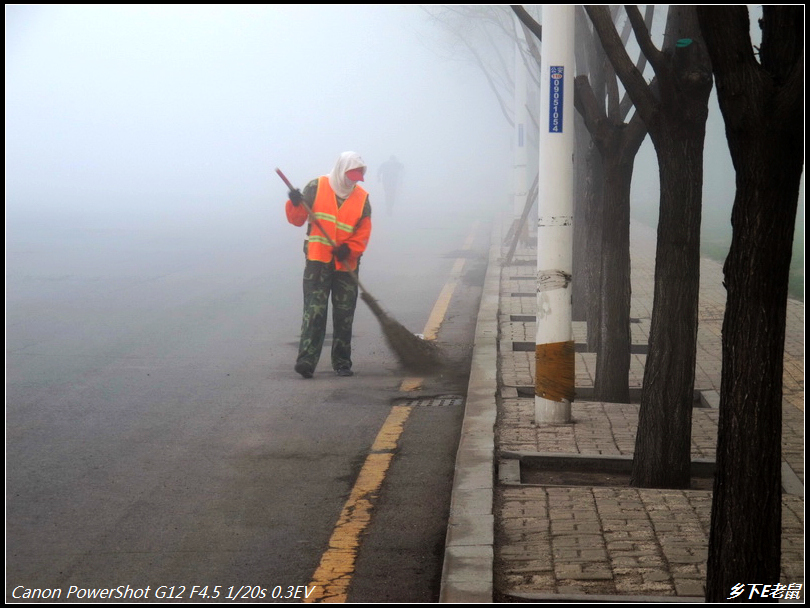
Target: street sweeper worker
column 335, row 242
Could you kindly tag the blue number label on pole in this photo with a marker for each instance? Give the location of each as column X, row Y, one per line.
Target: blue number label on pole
column 555, row 106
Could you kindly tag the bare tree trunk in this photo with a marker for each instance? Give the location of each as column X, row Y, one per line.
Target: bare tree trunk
column 591, row 62
column 663, row 441
column 617, row 144
column 613, row 362
column 579, row 283
column 594, row 189
column 675, row 111
column 763, row 108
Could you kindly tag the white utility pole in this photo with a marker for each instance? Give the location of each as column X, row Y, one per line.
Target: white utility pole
column 554, row 346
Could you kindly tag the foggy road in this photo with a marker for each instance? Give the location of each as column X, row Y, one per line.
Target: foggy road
column 157, row 434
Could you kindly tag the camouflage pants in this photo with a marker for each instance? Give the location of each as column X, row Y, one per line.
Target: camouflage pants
column 321, row 280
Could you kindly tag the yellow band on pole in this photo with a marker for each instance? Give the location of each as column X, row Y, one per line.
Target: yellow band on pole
column 555, row 371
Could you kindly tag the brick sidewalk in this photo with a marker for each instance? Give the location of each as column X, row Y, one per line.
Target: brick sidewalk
column 563, row 542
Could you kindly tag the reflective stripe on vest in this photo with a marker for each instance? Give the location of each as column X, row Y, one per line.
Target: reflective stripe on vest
column 338, row 222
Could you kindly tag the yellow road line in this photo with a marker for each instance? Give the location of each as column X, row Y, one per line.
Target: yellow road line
column 334, row 573
column 410, row 384
column 331, row 579
column 439, row 311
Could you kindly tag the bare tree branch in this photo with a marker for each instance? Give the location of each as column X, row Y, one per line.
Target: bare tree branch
column 642, row 32
column 532, row 117
column 612, row 89
column 501, row 61
column 528, row 20
column 588, row 106
column 532, row 33
column 501, row 101
column 531, row 43
column 627, row 103
column 471, row 26
column 532, row 51
column 631, row 77
column 625, row 35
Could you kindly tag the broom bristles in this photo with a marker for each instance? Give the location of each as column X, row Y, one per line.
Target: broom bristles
column 415, row 354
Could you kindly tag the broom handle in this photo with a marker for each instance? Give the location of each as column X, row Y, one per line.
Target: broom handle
column 317, row 222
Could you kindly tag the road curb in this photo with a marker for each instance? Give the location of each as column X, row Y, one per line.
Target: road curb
column 467, row 573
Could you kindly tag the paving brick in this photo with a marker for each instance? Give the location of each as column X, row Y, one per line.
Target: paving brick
column 621, row 540
column 689, row 588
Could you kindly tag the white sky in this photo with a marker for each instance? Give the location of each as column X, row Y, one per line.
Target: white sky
column 147, row 109
column 156, row 112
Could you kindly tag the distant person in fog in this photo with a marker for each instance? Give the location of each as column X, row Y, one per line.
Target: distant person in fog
column 390, row 173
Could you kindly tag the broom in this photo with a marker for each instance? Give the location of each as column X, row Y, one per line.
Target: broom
column 416, row 355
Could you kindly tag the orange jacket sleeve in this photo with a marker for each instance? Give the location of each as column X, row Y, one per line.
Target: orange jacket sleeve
column 297, row 216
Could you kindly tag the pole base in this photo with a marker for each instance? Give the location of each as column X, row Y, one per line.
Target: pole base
column 551, row 412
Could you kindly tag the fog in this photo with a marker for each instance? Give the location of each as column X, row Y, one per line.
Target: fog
column 175, row 117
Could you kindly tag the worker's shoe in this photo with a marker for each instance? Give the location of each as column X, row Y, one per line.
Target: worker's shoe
column 304, row 369
column 344, row 371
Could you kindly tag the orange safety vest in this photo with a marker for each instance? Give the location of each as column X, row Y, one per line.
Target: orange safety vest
column 338, row 223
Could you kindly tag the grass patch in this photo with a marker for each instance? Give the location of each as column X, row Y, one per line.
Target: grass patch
column 715, row 240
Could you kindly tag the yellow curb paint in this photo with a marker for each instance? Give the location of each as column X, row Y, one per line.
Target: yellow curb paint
column 411, row 384
column 439, row 311
column 334, row 573
column 443, row 301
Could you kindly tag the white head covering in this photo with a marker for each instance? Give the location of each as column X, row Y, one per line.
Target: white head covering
column 341, row 184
